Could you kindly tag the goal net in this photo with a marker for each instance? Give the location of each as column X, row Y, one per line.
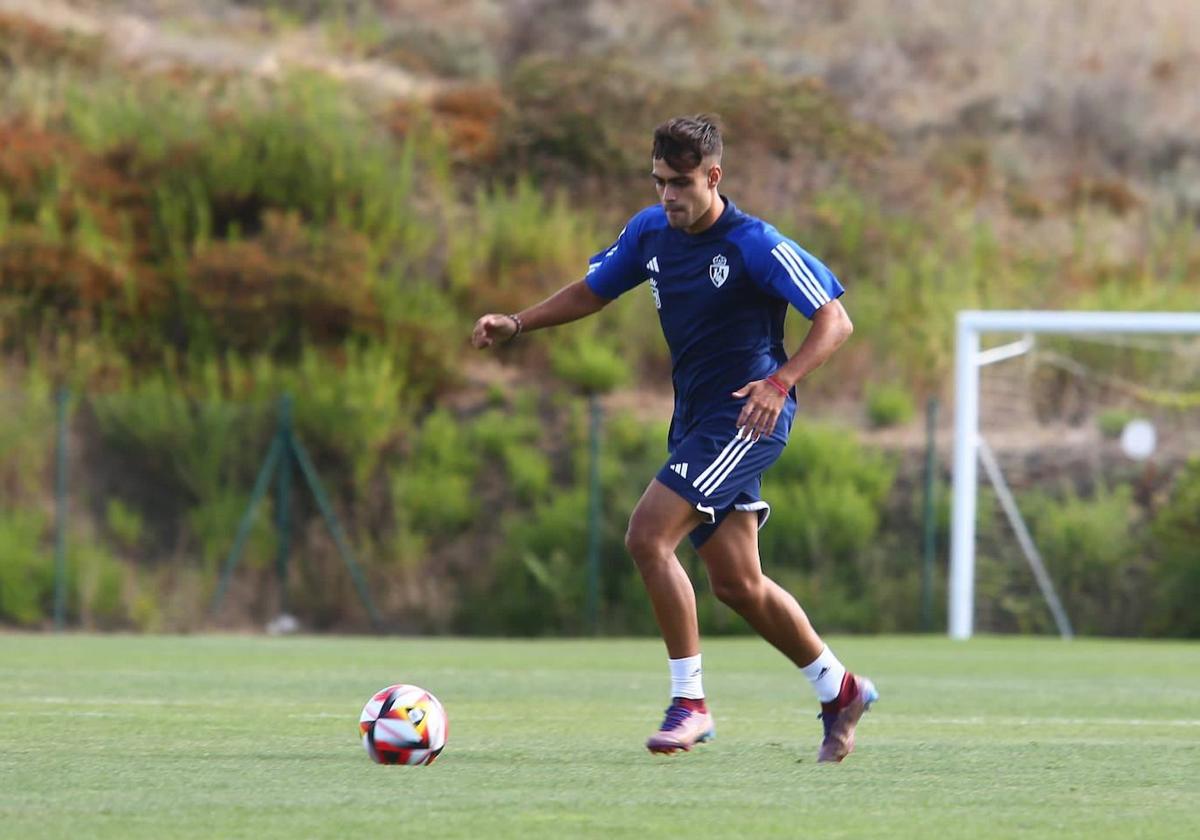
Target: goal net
column 1069, row 428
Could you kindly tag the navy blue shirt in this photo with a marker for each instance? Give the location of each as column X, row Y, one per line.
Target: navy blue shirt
column 721, row 296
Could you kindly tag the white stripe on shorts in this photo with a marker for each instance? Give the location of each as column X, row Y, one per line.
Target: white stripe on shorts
column 719, row 469
column 719, row 478
column 724, row 452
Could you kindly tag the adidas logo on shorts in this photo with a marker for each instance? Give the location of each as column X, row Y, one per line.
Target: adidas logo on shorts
column 680, row 469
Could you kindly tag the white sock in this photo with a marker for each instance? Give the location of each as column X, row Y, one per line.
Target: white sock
column 825, row 673
column 686, row 677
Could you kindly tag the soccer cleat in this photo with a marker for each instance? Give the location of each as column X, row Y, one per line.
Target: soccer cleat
column 687, row 723
column 842, row 714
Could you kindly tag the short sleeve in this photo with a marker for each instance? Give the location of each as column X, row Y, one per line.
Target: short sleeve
column 787, row 270
column 616, row 270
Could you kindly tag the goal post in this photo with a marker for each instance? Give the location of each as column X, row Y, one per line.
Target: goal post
column 969, row 446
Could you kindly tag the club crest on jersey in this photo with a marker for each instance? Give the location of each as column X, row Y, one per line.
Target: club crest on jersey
column 718, row 272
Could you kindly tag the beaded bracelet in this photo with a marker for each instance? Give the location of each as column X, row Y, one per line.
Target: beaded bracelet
column 516, row 319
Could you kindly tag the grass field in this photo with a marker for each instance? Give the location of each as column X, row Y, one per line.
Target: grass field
column 255, row 737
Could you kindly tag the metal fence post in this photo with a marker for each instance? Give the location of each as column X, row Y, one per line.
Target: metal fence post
column 929, row 543
column 60, row 512
column 283, row 500
column 594, row 492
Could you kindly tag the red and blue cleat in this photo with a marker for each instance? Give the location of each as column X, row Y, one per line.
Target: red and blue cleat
column 841, row 716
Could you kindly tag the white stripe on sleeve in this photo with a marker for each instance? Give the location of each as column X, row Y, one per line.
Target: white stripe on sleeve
column 801, row 275
column 806, row 272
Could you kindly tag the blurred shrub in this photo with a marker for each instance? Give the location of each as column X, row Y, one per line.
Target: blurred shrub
column 27, row 433
column 288, row 288
column 25, row 43
column 67, row 224
column 26, row 568
column 124, row 523
column 521, row 243
column 356, row 407
column 213, row 521
column 889, row 404
column 787, row 116
column 304, row 146
column 197, row 446
column 1092, row 552
column 579, row 118
column 590, row 363
column 97, row 584
column 1113, row 421
column 827, row 495
column 510, row 442
column 832, row 490
column 466, row 118
column 434, row 492
column 1176, row 535
column 537, row 581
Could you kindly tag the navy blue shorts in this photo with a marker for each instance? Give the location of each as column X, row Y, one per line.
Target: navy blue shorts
column 718, row 470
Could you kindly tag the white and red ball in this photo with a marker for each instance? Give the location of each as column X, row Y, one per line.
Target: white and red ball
column 403, row 724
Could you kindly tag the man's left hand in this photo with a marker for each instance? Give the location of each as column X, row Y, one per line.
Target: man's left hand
column 761, row 411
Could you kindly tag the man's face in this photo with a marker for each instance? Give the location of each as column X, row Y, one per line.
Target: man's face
column 686, row 196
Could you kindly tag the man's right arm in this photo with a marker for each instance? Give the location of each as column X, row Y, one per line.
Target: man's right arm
column 569, row 303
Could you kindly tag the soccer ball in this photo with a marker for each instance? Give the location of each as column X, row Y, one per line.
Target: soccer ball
column 403, row 724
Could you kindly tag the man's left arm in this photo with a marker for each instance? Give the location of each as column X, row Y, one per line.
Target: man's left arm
column 830, row 328
column 765, row 398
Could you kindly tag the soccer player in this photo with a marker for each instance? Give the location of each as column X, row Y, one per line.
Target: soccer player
column 721, row 281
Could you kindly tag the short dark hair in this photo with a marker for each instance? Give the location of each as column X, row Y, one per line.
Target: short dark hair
column 685, row 141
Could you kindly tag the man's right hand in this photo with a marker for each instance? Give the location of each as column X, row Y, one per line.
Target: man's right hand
column 492, row 328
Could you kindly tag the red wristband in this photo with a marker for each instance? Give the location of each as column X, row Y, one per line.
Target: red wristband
column 776, row 384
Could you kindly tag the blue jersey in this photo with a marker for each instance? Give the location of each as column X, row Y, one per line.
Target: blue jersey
column 721, row 296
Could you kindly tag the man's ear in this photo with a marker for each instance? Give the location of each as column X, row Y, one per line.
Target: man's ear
column 714, row 176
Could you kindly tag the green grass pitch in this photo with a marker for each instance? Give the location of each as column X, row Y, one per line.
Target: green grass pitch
column 256, row 737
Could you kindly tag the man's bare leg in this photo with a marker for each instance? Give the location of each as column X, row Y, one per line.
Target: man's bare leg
column 734, row 569
column 661, row 519
column 735, row 572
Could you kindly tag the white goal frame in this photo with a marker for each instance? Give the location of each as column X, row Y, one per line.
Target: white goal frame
column 970, row 448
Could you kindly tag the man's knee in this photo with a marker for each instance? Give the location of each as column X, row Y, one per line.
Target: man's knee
column 738, row 592
column 645, row 544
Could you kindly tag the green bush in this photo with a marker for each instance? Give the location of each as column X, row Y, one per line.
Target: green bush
column 537, row 582
column 521, row 241
column 1113, row 421
column 98, row 587
column 1176, row 535
column 832, row 491
column 589, row 363
column 889, row 404
column 827, row 495
column 195, row 446
column 1092, row 550
column 26, row 568
column 124, row 523
column 434, row 492
column 510, row 440
column 27, row 434
column 213, row 523
column 352, row 406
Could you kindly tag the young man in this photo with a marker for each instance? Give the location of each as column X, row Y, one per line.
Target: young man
column 721, row 281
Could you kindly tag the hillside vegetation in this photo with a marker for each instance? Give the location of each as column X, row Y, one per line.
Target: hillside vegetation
column 252, row 199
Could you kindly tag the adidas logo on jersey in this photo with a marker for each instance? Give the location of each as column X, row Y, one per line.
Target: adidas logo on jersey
column 680, row 469
column 653, row 264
